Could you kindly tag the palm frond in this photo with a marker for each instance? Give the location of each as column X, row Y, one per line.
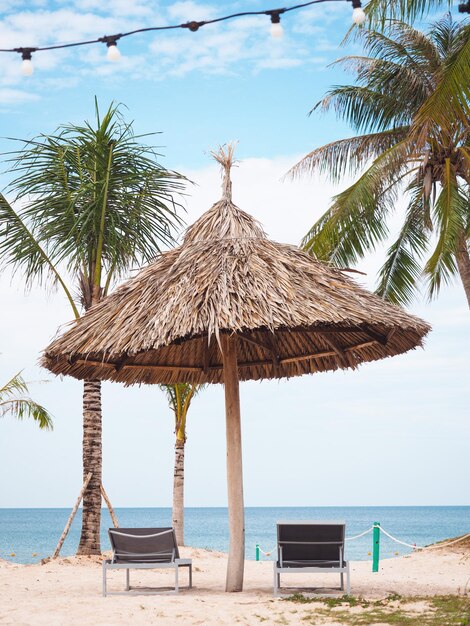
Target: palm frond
column 179, row 393
column 347, row 155
column 402, row 270
column 355, row 222
column 15, row 385
column 451, row 87
column 380, row 11
column 22, row 407
column 25, row 252
column 451, row 212
column 365, row 108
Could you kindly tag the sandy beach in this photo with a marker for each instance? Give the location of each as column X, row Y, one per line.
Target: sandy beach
column 68, row 591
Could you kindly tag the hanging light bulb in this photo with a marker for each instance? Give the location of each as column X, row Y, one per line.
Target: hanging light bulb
column 27, row 67
column 358, row 16
column 276, row 27
column 113, row 53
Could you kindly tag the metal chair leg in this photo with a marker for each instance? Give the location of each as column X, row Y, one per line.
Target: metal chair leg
column 277, row 582
column 104, row 579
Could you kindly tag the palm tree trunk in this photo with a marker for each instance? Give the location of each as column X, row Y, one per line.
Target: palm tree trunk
column 92, row 462
column 463, row 263
column 178, row 492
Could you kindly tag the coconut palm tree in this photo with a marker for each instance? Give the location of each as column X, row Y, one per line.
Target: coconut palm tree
column 398, row 153
column 454, row 84
column 14, row 401
column 89, row 202
column 179, row 398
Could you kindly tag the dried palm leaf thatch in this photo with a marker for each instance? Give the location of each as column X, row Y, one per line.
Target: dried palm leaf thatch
column 291, row 314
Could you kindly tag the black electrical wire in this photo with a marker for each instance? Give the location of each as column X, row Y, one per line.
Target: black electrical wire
column 192, row 25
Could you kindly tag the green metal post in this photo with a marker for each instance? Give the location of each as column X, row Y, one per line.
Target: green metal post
column 376, row 547
column 257, row 551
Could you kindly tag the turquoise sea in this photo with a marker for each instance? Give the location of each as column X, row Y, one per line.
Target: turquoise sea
column 24, row 532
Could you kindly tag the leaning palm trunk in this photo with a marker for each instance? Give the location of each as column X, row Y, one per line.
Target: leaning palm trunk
column 178, row 492
column 91, row 516
column 463, row 264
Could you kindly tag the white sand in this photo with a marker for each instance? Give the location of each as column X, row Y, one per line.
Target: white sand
column 68, row 591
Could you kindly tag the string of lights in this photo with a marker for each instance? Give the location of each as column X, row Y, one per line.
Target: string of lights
column 111, row 41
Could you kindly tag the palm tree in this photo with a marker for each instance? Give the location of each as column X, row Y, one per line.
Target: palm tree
column 397, row 153
column 89, row 202
column 454, row 85
column 13, row 401
column 179, row 398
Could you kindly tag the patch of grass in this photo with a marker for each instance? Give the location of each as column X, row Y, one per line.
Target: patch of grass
column 437, row 610
column 456, row 607
column 394, row 596
column 330, row 602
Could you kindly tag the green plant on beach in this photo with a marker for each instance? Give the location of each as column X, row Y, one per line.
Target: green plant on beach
column 88, row 203
column 179, row 398
column 410, row 102
column 15, row 402
column 431, row 611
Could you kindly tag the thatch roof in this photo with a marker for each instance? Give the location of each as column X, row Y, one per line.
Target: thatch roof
column 292, row 314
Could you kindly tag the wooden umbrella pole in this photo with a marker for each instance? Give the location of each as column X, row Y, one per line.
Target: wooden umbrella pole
column 110, row 507
column 236, row 557
column 72, row 515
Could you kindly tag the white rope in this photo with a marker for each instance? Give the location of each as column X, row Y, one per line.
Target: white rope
column 267, row 553
column 415, row 547
column 369, row 530
column 403, row 543
column 443, row 545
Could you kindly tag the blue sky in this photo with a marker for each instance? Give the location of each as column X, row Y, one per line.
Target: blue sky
column 394, row 432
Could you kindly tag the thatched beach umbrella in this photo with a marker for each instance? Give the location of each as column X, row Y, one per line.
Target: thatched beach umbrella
column 230, row 305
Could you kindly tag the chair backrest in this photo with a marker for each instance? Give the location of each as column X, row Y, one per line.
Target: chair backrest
column 143, row 545
column 310, row 542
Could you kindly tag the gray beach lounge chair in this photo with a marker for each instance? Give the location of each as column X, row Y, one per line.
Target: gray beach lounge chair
column 144, row 548
column 310, row 547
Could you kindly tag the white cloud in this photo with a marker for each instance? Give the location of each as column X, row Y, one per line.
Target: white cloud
column 15, row 96
column 121, row 8
column 191, row 11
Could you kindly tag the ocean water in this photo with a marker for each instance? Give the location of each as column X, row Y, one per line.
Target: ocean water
column 28, row 532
